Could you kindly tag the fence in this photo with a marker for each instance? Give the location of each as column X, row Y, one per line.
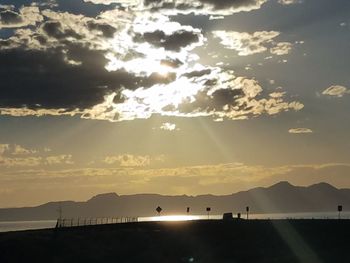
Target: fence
column 73, row 222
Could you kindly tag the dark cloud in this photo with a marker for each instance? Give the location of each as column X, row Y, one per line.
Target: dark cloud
column 4, row 43
column 8, row 17
column 172, row 63
column 54, row 29
column 197, row 73
column 107, row 30
column 174, row 42
column 215, row 102
column 42, row 79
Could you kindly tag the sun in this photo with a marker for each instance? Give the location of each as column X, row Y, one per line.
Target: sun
column 163, row 70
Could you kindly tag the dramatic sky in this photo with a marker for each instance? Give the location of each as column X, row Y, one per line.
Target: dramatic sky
column 171, row 96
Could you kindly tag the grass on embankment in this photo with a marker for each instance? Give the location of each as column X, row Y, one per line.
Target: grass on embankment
column 308, row 241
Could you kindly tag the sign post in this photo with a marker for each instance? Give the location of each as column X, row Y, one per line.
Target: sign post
column 208, row 211
column 340, row 208
column 159, row 209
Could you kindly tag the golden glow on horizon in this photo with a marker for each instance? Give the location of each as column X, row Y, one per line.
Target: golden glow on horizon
column 170, row 218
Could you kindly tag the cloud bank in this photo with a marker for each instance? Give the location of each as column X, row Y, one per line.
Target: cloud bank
column 127, row 64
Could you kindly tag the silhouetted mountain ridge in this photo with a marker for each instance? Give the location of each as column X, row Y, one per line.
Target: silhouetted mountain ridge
column 279, row 198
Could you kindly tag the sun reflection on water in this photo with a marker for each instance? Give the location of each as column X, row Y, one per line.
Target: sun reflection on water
column 169, row 218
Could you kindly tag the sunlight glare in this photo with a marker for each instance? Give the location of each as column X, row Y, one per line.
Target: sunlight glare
column 172, row 218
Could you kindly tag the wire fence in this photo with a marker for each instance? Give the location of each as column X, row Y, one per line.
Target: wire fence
column 74, row 222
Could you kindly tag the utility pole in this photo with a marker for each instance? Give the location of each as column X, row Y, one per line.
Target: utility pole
column 59, row 221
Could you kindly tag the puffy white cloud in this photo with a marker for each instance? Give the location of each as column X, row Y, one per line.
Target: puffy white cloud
column 281, row 48
column 336, row 91
column 245, row 43
column 167, row 126
column 300, row 130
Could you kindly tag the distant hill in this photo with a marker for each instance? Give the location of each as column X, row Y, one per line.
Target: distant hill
column 279, row 198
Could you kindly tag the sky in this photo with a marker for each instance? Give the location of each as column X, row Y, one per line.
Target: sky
column 171, row 96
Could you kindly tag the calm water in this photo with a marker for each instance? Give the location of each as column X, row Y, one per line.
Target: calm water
column 323, row 215
column 28, row 225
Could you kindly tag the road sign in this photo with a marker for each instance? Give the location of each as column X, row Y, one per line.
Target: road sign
column 159, row 209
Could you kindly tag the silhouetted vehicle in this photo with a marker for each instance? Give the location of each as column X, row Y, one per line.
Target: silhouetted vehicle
column 227, row 216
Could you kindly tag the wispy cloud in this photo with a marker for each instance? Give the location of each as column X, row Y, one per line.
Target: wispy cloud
column 253, row 43
column 336, row 91
column 300, row 130
column 130, row 160
column 16, row 156
column 289, row 2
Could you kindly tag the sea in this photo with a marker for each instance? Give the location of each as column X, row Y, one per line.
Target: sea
column 7, row 226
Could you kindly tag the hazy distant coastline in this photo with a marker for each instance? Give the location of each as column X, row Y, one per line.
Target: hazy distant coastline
column 279, row 198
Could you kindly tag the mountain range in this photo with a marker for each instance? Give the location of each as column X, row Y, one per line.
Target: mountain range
column 279, row 198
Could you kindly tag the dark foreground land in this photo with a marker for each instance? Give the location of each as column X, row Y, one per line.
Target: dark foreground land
column 308, row 241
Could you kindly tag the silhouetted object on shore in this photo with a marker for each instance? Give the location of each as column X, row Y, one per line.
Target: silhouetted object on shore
column 227, row 216
column 188, row 210
column 59, row 210
column 247, row 210
column 159, row 209
column 208, row 211
column 340, row 209
column 79, row 222
column 239, row 216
